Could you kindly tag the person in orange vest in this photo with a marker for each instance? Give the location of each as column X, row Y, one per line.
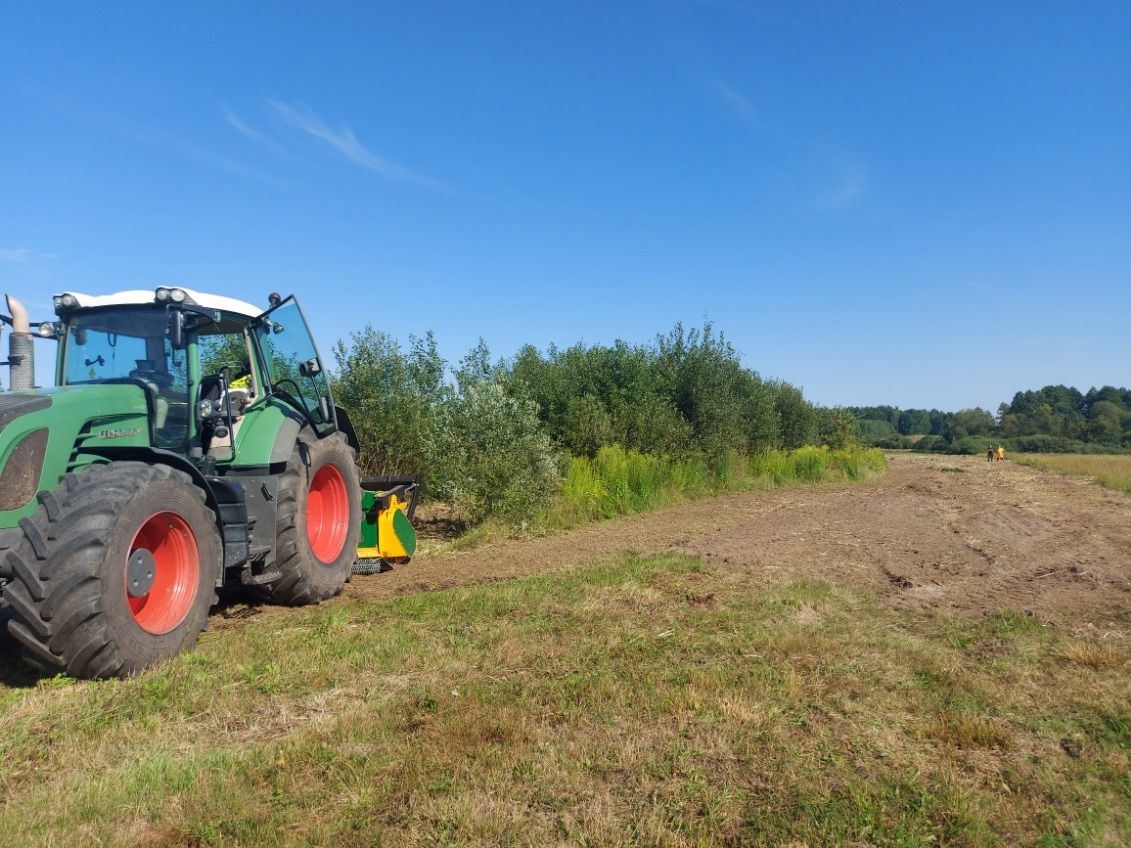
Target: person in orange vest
column 1000, row 454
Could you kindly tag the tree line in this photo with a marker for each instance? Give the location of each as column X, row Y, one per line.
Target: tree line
column 495, row 435
column 1056, row 419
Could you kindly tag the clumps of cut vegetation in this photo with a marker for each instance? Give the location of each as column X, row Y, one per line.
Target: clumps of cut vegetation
column 970, row 732
column 661, row 701
column 1111, row 471
column 1093, row 656
column 953, row 469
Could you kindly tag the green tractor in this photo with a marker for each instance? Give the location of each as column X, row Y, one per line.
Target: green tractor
column 191, row 444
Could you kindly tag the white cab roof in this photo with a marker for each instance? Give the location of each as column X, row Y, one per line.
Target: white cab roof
column 141, row 297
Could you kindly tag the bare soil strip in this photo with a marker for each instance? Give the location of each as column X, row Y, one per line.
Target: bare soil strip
column 943, row 533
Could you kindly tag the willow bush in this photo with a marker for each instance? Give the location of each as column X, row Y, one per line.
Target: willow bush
column 585, row 432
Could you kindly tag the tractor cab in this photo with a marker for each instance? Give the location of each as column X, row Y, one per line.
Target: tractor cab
column 203, row 361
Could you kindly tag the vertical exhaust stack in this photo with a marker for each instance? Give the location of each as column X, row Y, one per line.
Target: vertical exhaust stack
column 21, row 351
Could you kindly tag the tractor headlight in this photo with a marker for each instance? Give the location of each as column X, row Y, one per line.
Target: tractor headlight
column 178, row 295
column 162, row 294
column 64, row 301
column 48, row 330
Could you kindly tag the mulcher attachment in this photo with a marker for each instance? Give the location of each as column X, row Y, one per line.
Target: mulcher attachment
column 387, row 537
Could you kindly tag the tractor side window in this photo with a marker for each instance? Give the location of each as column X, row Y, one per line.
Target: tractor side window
column 293, row 365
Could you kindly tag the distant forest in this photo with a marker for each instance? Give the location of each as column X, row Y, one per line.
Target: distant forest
column 1055, row 419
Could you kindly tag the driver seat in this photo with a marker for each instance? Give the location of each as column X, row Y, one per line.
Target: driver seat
column 210, row 389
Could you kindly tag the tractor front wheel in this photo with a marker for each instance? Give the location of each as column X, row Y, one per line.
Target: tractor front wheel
column 318, row 523
column 116, row 571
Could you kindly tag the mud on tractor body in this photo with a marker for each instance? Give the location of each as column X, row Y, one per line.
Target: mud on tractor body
column 191, row 443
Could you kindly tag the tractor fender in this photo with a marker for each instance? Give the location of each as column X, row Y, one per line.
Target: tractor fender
column 285, row 440
column 292, row 425
column 346, row 428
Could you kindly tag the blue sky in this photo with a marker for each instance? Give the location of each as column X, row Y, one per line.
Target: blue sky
column 917, row 204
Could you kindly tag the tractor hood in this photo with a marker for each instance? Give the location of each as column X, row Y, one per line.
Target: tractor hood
column 43, row 435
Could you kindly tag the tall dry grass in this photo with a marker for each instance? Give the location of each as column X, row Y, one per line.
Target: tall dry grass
column 1112, row 471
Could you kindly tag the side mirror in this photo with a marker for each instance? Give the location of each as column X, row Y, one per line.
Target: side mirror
column 310, row 368
column 177, row 329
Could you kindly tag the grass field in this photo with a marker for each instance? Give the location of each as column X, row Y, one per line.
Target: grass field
column 1110, row 470
column 657, row 701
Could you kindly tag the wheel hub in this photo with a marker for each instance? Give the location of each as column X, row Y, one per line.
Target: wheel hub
column 141, row 570
column 162, row 573
column 327, row 513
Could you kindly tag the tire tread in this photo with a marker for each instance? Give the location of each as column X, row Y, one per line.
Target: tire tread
column 55, row 615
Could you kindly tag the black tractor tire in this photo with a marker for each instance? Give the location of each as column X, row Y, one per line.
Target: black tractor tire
column 308, row 578
column 67, row 596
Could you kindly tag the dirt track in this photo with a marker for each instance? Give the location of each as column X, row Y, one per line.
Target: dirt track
column 992, row 537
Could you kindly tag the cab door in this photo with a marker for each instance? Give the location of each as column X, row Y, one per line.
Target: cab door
column 294, row 367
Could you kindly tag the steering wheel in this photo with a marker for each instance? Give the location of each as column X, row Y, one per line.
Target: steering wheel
column 158, row 381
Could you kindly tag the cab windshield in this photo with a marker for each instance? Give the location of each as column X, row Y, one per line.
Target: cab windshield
column 131, row 345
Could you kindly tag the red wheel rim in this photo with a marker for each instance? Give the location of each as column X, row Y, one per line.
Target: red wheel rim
column 172, row 543
column 327, row 513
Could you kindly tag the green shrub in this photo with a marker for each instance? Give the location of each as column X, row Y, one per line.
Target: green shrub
column 837, row 427
column 497, row 461
column 394, row 398
column 890, row 442
column 973, row 445
column 686, row 394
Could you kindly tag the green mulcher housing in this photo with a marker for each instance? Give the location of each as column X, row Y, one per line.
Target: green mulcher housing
column 191, row 443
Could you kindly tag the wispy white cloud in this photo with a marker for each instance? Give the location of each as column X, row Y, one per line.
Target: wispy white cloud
column 159, row 139
column 843, row 180
column 849, row 187
column 240, row 126
column 248, row 131
column 301, row 117
column 14, row 255
column 735, row 100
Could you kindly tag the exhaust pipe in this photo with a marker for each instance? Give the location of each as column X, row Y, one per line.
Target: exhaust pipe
column 21, row 351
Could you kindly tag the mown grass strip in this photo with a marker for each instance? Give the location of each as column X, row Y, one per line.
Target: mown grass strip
column 653, row 701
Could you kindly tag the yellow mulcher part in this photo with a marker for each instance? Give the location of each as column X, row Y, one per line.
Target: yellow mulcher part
column 387, row 536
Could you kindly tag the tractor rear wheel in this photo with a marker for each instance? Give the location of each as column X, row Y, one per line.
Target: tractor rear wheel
column 116, row 571
column 318, row 522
